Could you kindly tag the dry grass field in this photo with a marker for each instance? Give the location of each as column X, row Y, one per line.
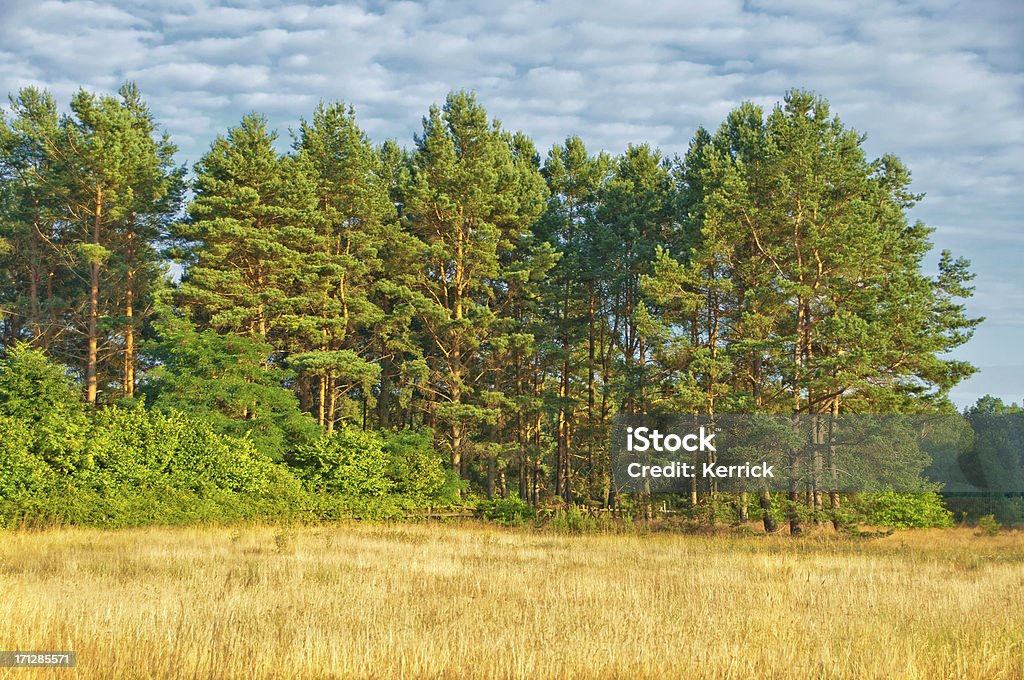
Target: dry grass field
column 439, row 601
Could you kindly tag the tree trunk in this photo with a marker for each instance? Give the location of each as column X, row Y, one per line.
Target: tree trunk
column 816, row 481
column 743, row 514
column 524, row 481
column 833, row 494
column 94, row 305
column 562, row 452
column 33, row 289
column 129, row 340
column 794, row 495
column 770, row 527
column 332, row 401
column 128, row 372
column 492, row 465
column 322, row 401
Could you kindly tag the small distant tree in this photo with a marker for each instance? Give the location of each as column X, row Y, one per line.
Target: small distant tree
column 416, row 467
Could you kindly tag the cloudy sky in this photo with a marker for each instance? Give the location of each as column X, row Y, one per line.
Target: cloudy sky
column 939, row 83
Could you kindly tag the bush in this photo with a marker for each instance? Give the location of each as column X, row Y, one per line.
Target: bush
column 415, row 466
column 61, row 464
column 1007, row 509
column 329, row 507
column 21, row 471
column 40, row 395
column 574, row 521
column 146, row 468
column 347, row 462
column 905, row 510
column 510, row 511
column 23, row 475
column 989, row 525
column 140, row 449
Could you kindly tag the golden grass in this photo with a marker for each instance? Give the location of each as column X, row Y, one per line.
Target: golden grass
column 469, row 601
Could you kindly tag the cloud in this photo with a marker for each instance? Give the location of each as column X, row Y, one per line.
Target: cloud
column 939, row 83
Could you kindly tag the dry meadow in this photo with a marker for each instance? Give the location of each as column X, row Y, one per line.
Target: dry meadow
column 443, row 601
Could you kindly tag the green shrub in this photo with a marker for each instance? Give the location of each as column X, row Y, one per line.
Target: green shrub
column 904, row 510
column 21, row 471
column 146, row 468
column 416, row 467
column 347, row 462
column 989, row 525
column 330, row 507
column 61, row 464
column 39, row 394
column 574, row 521
column 509, row 511
column 453, row 490
column 143, row 449
column 1008, row 509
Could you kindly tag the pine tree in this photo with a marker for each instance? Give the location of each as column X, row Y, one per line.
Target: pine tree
column 575, row 180
column 826, row 305
column 137, row 268
column 335, row 326
column 250, row 229
column 227, row 381
column 467, row 203
column 32, row 256
column 90, row 194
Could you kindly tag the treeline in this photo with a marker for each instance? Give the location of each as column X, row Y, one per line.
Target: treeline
column 509, row 302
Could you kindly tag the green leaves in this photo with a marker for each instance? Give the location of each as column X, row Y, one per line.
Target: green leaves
column 229, row 382
column 825, row 297
column 42, row 397
column 348, row 462
column 474, row 193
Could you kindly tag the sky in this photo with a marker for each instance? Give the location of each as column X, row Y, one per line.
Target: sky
column 938, row 83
